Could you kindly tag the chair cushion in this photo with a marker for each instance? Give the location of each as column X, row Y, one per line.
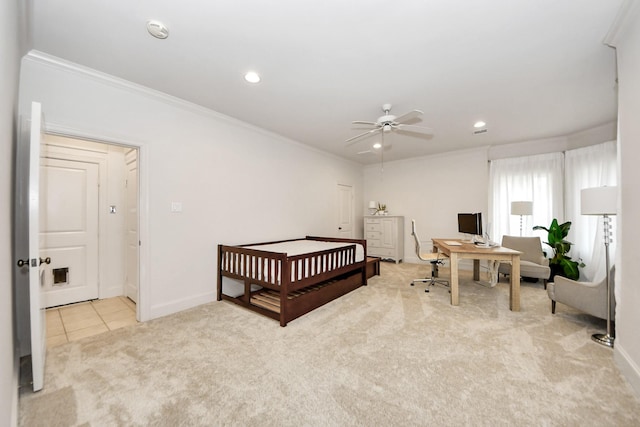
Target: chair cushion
column 530, row 247
column 528, row 269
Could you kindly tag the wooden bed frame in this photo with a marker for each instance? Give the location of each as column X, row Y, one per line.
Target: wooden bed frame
column 291, row 285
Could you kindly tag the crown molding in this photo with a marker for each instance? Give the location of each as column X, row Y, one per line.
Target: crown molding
column 104, row 78
column 628, row 10
column 57, row 63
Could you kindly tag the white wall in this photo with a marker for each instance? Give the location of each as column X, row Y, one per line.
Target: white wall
column 237, row 184
column 627, row 344
column 10, row 46
column 432, row 190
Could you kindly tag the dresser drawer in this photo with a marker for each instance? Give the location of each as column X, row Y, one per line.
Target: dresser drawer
column 372, row 235
column 372, row 243
column 372, row 220
column 381, row 252
column 373, row 227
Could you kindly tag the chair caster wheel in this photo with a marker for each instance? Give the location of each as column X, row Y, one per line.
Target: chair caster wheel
column 426, row 290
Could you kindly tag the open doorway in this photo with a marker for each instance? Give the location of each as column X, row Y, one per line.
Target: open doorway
column 89, row 220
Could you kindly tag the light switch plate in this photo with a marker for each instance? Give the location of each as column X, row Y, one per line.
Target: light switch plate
column 176, row 206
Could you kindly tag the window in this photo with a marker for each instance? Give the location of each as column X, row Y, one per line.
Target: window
column 553, row 183
column 535, row 178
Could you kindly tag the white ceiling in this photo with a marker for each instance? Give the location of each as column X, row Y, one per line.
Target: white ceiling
column 529, row 68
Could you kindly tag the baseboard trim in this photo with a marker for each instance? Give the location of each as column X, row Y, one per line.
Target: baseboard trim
column 627, row 367
column 111, row 292
column 182, row 304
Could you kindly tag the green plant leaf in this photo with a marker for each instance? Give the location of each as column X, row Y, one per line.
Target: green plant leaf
column 570, row 268
column 556, row 234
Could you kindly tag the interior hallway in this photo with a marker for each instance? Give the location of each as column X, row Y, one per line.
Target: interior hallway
column 76, row 321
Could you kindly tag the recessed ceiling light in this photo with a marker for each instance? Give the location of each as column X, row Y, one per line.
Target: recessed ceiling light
column 157, row 29
column 252, row 77
column 479, row 124
column 377, row 145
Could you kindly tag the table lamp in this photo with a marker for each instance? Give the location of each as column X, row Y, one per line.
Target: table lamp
column 373, row 207
column 602, row 201
column 521, row 208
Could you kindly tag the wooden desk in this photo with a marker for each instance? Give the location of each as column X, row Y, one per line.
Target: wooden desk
column 468, row 250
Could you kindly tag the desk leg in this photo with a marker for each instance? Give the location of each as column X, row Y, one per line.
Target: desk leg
column 453, row 260
column 476, row 269
column 514, row 293
column 434, row 267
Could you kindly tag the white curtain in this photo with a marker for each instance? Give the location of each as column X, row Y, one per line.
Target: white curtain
column 588, row 167
column 538, row 179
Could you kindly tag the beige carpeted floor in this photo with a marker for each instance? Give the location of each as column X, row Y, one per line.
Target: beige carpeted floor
column 385, row 354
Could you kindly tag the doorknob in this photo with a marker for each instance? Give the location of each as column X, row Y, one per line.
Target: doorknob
column 47, row 260
column 339, row 228
column 23, row 262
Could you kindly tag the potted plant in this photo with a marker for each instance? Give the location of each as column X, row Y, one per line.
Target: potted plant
column 382, row 209
column 560, row 263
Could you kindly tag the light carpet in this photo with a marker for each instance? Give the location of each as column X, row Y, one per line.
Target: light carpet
column 385, row 354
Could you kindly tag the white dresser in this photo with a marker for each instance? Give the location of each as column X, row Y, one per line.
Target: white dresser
column 385, row 236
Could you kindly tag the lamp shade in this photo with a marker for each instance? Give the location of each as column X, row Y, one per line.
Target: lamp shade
column 521, row 208
column 373, row 205
column 599, row 201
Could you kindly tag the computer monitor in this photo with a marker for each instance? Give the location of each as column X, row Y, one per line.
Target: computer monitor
column 470, row 223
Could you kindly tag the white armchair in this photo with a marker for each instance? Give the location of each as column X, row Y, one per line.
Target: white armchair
column 533, row 263
column 588, row 297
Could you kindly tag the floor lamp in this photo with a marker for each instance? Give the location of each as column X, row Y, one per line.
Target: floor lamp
column 602, row 201
column 521, row 208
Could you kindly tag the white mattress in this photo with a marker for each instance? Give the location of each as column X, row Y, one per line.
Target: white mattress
column 235, row 288
column 299, row 247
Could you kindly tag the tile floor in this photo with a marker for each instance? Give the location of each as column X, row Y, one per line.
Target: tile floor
column 73, row 322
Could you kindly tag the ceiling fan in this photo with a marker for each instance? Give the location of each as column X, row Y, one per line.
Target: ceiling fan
column 389, row 122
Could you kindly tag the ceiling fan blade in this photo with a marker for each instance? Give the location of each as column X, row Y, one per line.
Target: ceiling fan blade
column 414, row 128
column 353, row 138
column 408, row 116
column 360, row 122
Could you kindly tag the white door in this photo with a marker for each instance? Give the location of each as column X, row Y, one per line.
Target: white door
column 345, row 211
column 131, row 225
column 69, row 230
column 27, row 243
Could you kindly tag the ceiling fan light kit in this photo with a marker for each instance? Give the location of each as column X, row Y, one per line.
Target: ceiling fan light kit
column 252, row 77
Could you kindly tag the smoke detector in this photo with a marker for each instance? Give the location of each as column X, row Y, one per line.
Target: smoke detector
column 157, row 29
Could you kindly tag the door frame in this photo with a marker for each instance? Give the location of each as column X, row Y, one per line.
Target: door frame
column 143, row 306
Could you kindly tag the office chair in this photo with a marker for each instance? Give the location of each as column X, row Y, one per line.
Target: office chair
column 434, row 258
